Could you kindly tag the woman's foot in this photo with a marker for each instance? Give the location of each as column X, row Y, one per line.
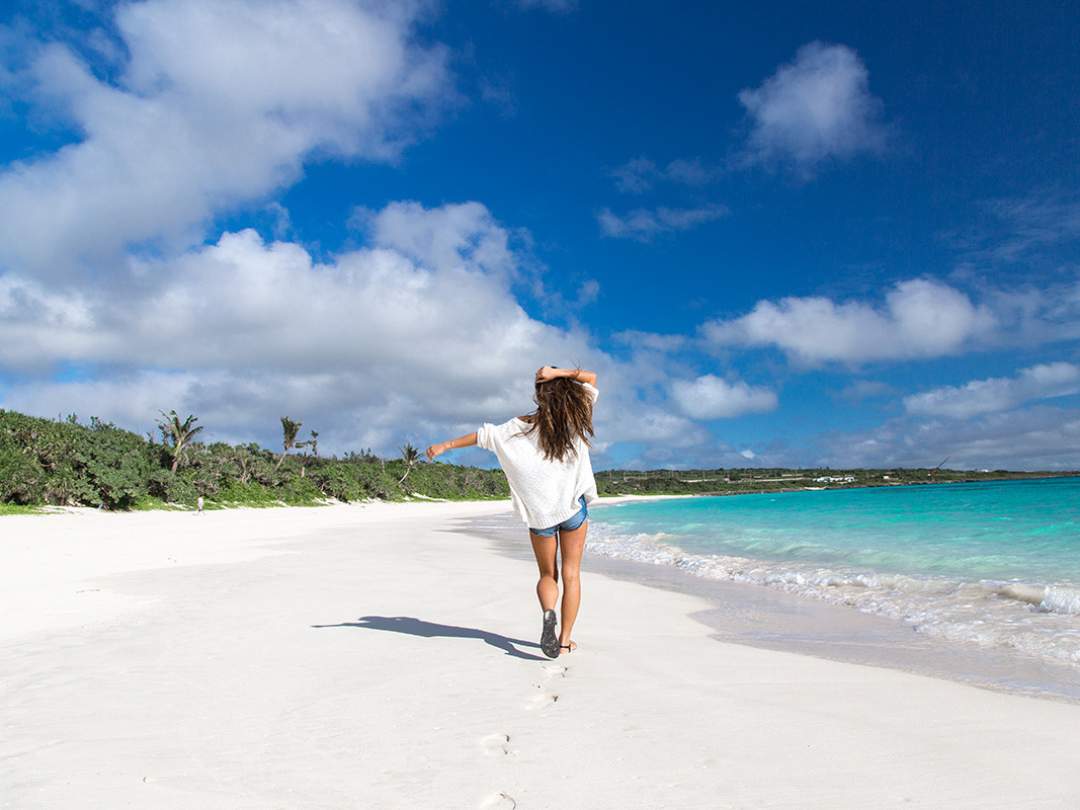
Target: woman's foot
column 569, row 646
column 549, row 642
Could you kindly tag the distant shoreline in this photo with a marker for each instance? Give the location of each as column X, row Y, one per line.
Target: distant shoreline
column 987, row 478
column 603, row 499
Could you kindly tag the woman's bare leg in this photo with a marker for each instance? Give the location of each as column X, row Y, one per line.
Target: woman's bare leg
column 547, row 589
column 572, row 546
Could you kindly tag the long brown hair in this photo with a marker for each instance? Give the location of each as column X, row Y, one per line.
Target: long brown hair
column 563, row 413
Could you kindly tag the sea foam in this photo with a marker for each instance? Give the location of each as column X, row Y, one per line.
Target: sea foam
column 1039, row 620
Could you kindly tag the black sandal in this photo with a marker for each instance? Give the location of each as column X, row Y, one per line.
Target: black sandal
column 568, row 647
column 549, row 642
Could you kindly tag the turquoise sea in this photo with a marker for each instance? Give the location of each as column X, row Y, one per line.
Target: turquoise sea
column 992, row 563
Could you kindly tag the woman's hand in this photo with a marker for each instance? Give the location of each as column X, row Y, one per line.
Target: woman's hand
column 468, row 440
column 548, row 373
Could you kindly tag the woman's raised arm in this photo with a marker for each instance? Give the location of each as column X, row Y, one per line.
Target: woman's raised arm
column 581, row 375
column 468, row 440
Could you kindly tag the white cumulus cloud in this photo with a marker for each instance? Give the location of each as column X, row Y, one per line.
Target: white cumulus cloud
column 712, row 397
column 1042, row 381
column 415, row 335
column 919, row 318
column 444, row 238
column 219, row 103
column 815, row 108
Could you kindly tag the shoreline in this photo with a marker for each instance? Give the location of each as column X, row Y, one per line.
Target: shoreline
column 384, row 655
column 49, row 509
column 870, row 639
column 767, row 618
column 728, row 493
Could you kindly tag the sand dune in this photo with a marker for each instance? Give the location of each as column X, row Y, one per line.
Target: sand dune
column 378, row 657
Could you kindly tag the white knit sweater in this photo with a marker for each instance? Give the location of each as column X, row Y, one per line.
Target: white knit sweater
column 544, row 492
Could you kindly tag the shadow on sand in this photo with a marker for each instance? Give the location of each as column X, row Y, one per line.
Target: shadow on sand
column 418, row 627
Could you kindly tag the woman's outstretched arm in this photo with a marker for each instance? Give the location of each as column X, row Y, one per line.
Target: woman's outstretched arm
column 468, row 440
column 581, row 375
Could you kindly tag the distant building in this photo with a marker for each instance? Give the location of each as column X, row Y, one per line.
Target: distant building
column 836, row 479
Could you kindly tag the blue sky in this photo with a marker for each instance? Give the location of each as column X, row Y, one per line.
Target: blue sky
column 784, row 235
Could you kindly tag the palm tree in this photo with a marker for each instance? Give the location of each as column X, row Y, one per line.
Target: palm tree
column 177, row 435
column 289, row 429
column 313, row 443
column 410, row 455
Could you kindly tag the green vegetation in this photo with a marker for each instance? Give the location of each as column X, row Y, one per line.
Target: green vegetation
column 65, row 462
column 749, row 480
column 97, row 464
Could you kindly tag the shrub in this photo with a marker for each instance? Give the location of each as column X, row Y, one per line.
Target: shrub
column 172, row 487
column 252, row 494
column 117, row 466
column 375, row 482
column 299, row 491
column 22, row 480
column 336, row 480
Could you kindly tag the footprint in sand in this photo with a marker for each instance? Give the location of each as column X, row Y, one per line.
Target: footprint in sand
column 555, row 671
column 496, row 745
column 499, row 801
column 542, row 700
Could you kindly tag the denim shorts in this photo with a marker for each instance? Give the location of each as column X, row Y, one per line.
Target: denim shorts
column 568, row 525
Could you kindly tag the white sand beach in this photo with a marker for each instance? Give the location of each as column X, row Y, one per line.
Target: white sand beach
column 377, row 656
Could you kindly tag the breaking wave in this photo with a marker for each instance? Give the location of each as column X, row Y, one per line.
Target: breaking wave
column 1037, row 619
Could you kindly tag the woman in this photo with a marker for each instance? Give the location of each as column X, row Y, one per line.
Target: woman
column 545, row 455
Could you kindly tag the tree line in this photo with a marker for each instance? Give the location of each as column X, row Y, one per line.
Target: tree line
column 68, row 462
